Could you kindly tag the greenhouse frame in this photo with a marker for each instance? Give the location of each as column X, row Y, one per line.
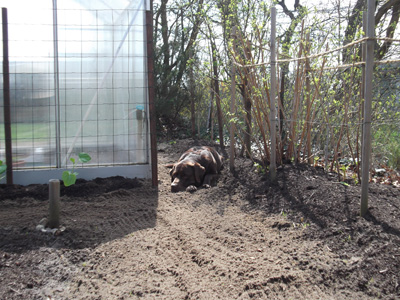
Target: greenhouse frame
column 78, row 82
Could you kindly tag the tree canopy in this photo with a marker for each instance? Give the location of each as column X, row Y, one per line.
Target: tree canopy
column 195, row 47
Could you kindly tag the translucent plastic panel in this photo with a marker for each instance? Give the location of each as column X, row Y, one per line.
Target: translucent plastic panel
column 110, row 75
column 31, row 59
column 101, row 81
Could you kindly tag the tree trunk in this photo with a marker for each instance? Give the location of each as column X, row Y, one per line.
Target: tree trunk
column 216, row 93
column 248, row 119
column 192, row 100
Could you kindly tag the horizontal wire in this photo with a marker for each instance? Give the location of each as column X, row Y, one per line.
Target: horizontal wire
column 323, row 54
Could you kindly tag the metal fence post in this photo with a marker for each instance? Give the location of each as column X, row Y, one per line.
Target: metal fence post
column 6, row 93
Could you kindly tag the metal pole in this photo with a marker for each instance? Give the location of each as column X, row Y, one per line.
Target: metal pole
column 273, row 119
column 6, row 93
column 54, row 203
column 366, row 143
column 232, row 108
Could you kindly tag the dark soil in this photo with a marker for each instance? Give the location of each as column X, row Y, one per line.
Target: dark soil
column 300, row 238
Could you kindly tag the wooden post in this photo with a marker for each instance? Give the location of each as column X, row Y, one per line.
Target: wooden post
column 54, row 203
column 363, row 58
column 151, row 87
column 362, row 94
column 366, row 142
column 6, row 94
column 273, row 117
column 308, row 100
column 232, row 107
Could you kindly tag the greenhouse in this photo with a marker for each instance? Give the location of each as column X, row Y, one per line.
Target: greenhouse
column 78, row 82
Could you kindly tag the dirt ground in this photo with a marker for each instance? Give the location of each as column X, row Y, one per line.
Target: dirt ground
column 244, row 239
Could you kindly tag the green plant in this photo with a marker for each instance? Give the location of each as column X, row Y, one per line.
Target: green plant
column 3, row 168
column 316, row 159
column 259, row 168
column 347, row 239
column 355, row 178
column 69, row 177
column 394, row 156
column 344, row 169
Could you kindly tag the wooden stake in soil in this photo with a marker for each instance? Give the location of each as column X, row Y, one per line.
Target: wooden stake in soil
column 273, row 118
column 54, row 205
column 232, row 109
column 152, row 97
column 366, row 142
column 308, row 101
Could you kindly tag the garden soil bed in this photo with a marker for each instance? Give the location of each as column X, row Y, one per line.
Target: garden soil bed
column 301, row 238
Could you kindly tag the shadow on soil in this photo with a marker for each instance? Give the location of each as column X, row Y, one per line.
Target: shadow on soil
column 92, row 212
